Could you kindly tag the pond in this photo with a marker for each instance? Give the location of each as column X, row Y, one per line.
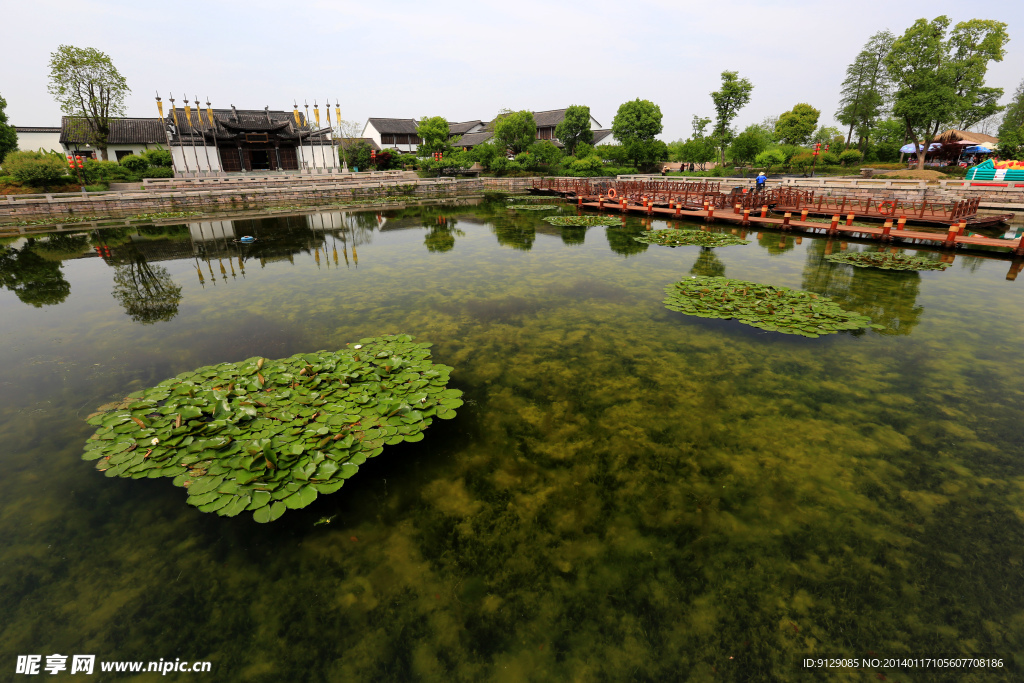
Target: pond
column 628, row 493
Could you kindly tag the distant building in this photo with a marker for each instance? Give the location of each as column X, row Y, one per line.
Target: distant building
column 547, row 121
column 397, row 134
column 127, row 136
column 604, row 136
column 35, row 138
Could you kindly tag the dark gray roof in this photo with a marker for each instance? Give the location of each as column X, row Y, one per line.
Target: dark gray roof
column 37, row 129
column 601, row 134
column 231, row 123
column 74, row 130
column 471, row 139
column 400, row 126
column 552, row 117
column 460, row 128
column 348, row 142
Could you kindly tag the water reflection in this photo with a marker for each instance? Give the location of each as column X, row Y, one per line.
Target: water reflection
column 708, row 264
column 34, row 279
column 146, row 292
column 889, row 297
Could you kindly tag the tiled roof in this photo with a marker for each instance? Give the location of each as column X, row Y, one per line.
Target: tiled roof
column 37, row 129
column 400, row 126
column 471, row 139
column 460, row 128
column 548, row 118
column 601, row 134
column 348, row 142
column 122, row 132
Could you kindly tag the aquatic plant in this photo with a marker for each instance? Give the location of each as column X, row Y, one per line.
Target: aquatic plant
column 772, row 308
column 878, row 259
column 582, row 221
column 268, row 435
column 672, row 237
column 533, row 207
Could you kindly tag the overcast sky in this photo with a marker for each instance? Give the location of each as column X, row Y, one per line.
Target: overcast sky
column 468, row 60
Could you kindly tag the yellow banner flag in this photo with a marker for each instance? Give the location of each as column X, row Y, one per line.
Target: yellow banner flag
column 174, row 112
column 188, row 114
column 296, row 112
column 317, row 113
column 209, row 113
column 160, row 108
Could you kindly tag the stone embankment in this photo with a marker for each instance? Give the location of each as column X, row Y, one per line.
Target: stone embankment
column 208, row 195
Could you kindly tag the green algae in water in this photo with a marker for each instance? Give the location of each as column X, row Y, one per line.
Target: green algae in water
column 264, row 436
column 772, row 308
column 876, row 259
column 533, row 207
column 582, row 221
column 671, row 237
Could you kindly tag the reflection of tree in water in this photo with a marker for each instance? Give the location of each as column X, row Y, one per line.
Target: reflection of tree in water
column 514, row 232
column 573, row 235
column 60, row 246
column 146, row 292
column 889, row 297
column 441, row 237
column 776, row 243
column 33, row 279
column 620, row 240
column 708, row 264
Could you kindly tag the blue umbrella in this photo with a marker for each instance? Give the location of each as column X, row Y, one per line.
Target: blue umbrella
column 978, row 149
column 911, row 148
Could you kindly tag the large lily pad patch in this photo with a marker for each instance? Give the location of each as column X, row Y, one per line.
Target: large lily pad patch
column 672, row 237
column 777, row 309
column 582, row 221
column 265, row 436
column 877, row 259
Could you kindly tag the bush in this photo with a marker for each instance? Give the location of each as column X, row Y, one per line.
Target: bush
column 850, row 157
column 158, row 172
column 502, row 165
column 135, row 164
column 828, row 159
column 97, row 172
column 769, row 158
column 98, row 187
column 591, row 165
column 158, row 157
column 34, row 168
column 802, row 162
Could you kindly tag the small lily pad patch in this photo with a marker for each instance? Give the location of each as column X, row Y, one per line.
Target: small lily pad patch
column 877, row 259
column 582, row 221
column 777, row 309
column 267, row 436
column 672, row 237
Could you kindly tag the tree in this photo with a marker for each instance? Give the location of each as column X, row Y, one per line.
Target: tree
column 748, row 144
column 575, row 128
column 795, row 126
column 635, row 125
column 867, row 88
column 769, row 158
column 1011, row 131
column 8, row 136
column 940, row 79
column 699, row 149
column 515, row 130
column 86, row 85
column 733, row 96
column 346, row 133
column 434, row 132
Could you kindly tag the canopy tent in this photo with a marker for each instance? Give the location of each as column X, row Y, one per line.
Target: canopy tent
column 980, row 149
column 912, row 148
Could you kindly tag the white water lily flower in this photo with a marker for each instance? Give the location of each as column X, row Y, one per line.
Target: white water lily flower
column 358, row 346
column 155, row 441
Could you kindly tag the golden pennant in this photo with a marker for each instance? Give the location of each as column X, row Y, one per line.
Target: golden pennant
column 160, row 108
column 296, row 112
column 316, row 112
column 188, row 113
column 209, row 113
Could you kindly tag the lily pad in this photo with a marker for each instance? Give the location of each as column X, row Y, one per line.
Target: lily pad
column 266, row 436
column 769, row 307
column 886, row 261
column 533, row 207
column 582, row 221
column 672, row 237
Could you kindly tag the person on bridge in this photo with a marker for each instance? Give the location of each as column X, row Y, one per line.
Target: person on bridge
column 761, row 178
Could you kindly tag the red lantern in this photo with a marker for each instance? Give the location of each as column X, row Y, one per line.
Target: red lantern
column 71, row 161
column 79, row 160
column 373, row 154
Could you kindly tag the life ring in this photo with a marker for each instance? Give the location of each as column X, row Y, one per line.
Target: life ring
column 887, row 208
column 612, row 194
column 247, row 239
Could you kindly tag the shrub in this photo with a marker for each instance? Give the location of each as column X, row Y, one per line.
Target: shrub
column 158, row 157
column 802, row 162
column 828, row 159
column 590, row 165
column 158, row 172
column 850, row 157
column 769, row 158
column 34, row 168
column 97, row 172
column 135, row 164
column 502, row 165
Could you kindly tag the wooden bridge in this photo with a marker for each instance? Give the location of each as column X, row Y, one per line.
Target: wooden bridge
column 703, row 195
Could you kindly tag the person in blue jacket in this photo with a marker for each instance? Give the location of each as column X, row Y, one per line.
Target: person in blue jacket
column 761, row 178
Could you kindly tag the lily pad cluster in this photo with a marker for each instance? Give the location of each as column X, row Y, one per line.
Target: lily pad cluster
column 533, row 207
column 582, row 221
column 672, row 237
column 265, row 436
column 877, row 259
column 769, row 307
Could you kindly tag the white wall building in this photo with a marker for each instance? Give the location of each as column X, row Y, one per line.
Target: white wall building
column 35, row 138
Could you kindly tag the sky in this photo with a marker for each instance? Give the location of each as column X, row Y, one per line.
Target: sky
column 469, row 60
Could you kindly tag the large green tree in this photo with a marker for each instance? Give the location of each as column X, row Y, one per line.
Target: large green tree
column 8, row 136
column 1011, row 130
column 699, row 148
column 87, row 86
column 940, row 79
column 575, row 128
column 515, row 130
column 435, row 133
column 866, row 89
column 635, row 125
column 733, row 96
column 795, row 126
column 748, row 144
